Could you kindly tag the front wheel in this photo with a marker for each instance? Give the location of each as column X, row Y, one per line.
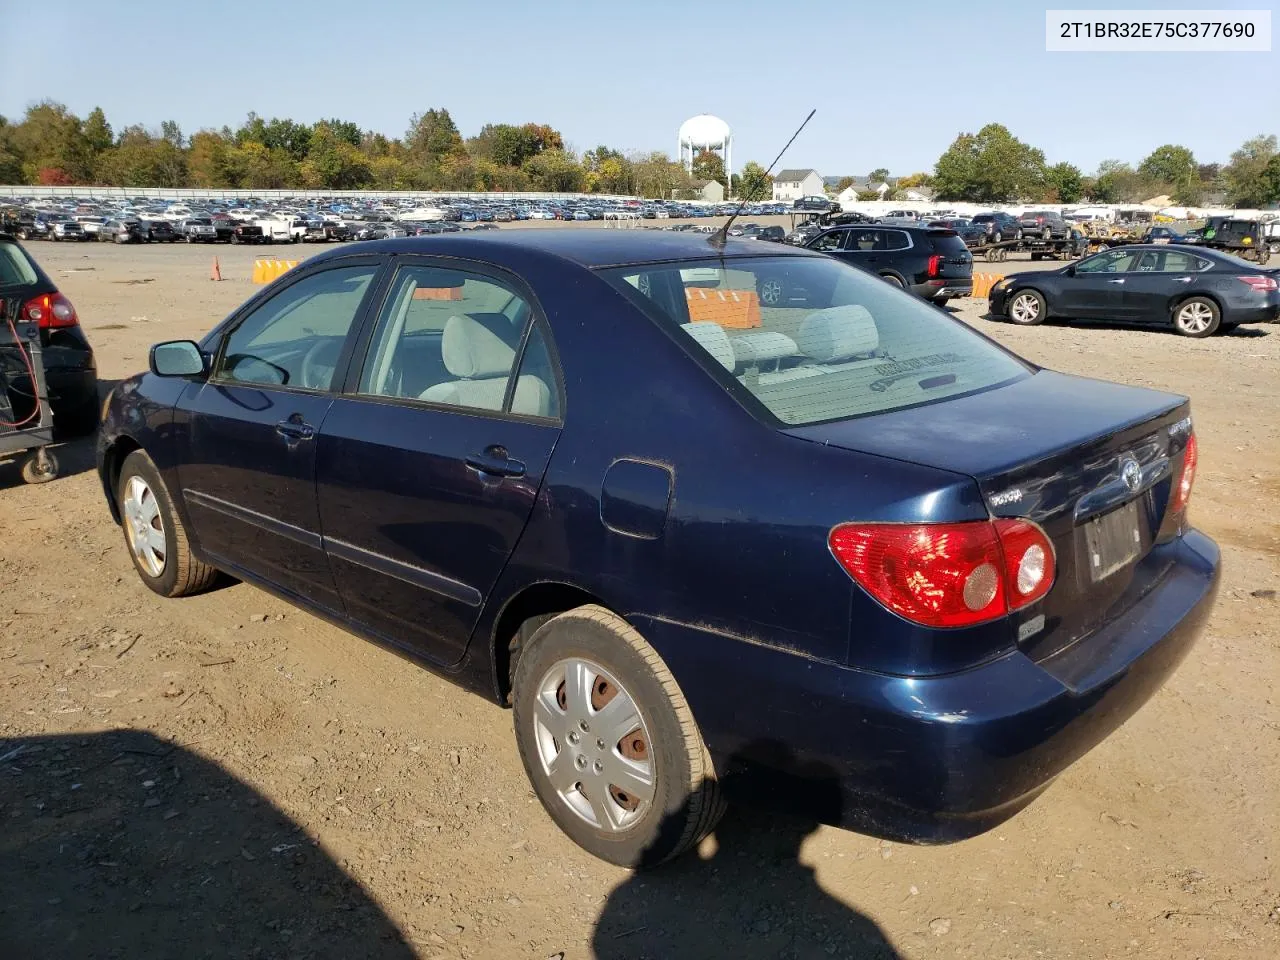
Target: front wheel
column 1197, row 317
column 1027, row 308
column 154, row 533
column 609, row 742
column 772, row 291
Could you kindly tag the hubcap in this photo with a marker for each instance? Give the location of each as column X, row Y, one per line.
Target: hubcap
column 1025, row 308
column 771, row 291
column 593, row 745
column 144, row 527
column 1195, row 317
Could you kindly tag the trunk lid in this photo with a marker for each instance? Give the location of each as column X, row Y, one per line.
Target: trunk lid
column 1093, row 463
column 956, row 261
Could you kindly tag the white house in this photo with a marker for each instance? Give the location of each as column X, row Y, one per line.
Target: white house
column 793, row 184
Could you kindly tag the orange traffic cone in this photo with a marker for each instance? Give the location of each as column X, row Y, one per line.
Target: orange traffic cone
column 216, row 273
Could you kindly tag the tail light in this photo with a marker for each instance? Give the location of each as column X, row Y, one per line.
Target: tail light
column 1182, row 492
column 50, row 310
column 935, row 265
column 948, row 575
column 1260, row 284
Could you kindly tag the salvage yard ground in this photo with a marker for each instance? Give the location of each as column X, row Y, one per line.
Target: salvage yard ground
column 291, row 791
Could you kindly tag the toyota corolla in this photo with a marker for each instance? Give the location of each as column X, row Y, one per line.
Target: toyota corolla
column 684, row 535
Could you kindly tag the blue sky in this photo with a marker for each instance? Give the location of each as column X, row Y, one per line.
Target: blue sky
column 893, row 83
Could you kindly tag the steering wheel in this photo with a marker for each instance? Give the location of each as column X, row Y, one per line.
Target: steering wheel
column 319, row 363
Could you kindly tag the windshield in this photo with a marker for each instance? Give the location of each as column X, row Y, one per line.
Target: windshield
column 812, row 339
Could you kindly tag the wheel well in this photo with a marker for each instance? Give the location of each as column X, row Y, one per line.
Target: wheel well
column 1184, row 297
column 112, row 460
column 532, row 605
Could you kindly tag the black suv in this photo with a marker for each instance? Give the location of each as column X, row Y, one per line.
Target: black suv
column 998, row 226
column 1045, row 224
column 932, row 263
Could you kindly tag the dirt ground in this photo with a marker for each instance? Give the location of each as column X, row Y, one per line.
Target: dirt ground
column 225, row 776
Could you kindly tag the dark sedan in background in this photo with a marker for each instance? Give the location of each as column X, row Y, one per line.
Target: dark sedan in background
column 28, row 295
column 1198, row 291
column 851, row 546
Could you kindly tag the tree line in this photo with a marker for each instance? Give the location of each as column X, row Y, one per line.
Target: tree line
column 50, row 145
column 994, row 166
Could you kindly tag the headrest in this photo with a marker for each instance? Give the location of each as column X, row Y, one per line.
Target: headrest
column 479, row 345
column 712, row 338
column 762, row 346
column 838, row 333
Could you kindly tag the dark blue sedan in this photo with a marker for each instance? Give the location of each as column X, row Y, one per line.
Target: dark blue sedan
column 695, row 542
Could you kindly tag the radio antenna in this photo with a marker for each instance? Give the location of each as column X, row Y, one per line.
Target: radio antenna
column 721, row 236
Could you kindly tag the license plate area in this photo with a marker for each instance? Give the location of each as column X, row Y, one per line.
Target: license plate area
column 1112, row 541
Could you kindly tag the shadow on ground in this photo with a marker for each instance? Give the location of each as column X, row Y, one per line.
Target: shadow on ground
column 120, row 845
column 750, row 899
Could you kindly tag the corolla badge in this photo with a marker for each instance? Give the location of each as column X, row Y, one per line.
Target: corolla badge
column 1131, row 473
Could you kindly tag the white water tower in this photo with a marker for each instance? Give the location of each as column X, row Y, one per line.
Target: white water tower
column 705, row 132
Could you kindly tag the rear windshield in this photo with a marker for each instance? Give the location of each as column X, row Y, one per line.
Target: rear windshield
column 948, row 242
column 15, row 267
column 811, row 339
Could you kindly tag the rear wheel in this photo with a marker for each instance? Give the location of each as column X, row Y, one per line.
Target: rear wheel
column 1027, row 308
column 1197, row 317
column 893, row 281
column 154, row 533
column 609, row 743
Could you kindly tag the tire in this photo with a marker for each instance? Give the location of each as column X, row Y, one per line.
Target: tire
column 893, row 281
column 175, row 572
column 772, row 291
column 1026, row 308
column 1274, row 246
column 235, row 239
column 998, row 237
column 34, row 472
column 1018, row 235
column 1197, row 317
column 1048, row 234
column 1035, row 256
column 602, row 649
column 941, row 302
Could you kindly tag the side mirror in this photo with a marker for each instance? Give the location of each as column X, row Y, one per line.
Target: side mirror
column 177, row 358
column 1070, row 271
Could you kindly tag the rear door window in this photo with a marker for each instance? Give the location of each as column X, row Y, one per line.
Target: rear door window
column 802, row 340
column 15, row 267
column 896, row 240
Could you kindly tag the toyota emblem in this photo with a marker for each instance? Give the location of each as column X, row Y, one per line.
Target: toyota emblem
column 1131, row 474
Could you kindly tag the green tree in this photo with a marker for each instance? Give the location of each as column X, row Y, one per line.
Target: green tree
column 756, row 184
column 1244, row 174
column 554, row 170
column 170, row 131
column 209, row 160
column 877, row 176
column 345, row 131
column 991, row 166
column 432, row 137
column 140, row 159
column 1065, row 181
column 709, row 165
column 97, row 132
column 333, row 162
column 50, row 138
column 1269, row 181
column 843, row 184
column 1170, row 164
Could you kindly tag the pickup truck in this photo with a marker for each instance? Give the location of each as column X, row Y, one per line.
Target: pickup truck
column 280, row 230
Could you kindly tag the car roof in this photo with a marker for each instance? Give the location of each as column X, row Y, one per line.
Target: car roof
column 587, row 248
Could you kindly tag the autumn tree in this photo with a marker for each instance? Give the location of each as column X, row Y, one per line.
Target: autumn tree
column 709, row 165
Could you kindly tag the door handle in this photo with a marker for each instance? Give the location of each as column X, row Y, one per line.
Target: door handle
column 1183, row 279
column 495, row 462
column 1121, row 280
column 294, row 430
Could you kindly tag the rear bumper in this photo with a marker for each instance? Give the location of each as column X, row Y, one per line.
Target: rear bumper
column 1268, row 313
column 944, row 289
column 931, row 760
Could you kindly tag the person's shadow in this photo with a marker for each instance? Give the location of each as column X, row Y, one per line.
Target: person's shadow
column 123, row 845
column 751, row 898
